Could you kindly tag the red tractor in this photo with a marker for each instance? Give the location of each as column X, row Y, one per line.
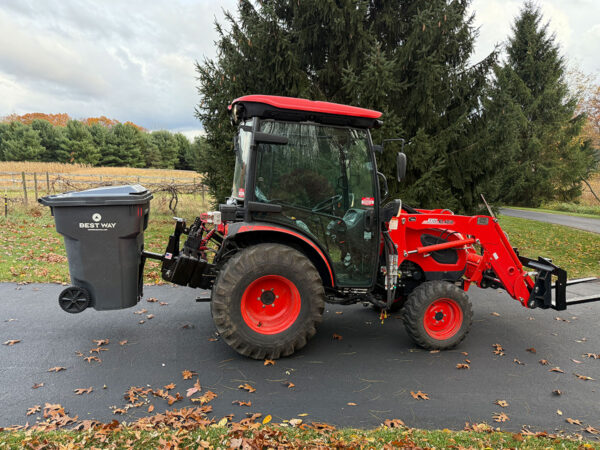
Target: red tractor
column 308, row 223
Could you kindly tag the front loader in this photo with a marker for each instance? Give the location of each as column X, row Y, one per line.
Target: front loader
column 308, row 222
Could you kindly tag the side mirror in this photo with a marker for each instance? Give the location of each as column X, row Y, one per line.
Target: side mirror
column 266, row 138
column 401, row 166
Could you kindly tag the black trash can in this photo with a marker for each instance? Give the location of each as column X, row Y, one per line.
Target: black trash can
column 103, row 229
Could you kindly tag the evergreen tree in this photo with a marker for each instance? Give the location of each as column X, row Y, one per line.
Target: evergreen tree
column 532, row 116
column 3, row 136
column 150, row 152
column 123, row 147
column 79, row 145
column 183, row 148
column 197, row 154
column 407, row 58
column 52, row 139
column 21, row 143
column 99, row 135
column 167, row 148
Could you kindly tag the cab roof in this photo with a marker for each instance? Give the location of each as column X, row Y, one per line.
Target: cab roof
column 300, row 109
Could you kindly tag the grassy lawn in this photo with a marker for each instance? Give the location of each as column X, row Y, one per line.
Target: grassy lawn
column 237, row 436
column 567, row 209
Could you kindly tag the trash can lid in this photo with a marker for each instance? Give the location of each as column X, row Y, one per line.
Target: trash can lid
column 133, row 194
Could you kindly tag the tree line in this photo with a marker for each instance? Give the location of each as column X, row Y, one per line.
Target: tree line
column 94, row 141
column 507, row 126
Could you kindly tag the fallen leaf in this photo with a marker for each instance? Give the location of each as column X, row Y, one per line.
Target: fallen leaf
column 576, row 361
column 500, row 417
column 295, row 422
column 170, row 386
column 81, row 355
column 289, row 384
column 207, row 397
column 163, row 303
column 583, row 377
column 267, row 419
column 56, row 369
column 559, row 412
column 463, row 366
column 196, row 388
column 247, row 387
column 495, row 314
column 592, row 355
column 531, row 350
column 393, row 423
column 434, row 351
column 83, row 391
column 303, row 415
column 119, row 411
column 100, row 342
column 241, row 403
column 498, row 350
column 142, row 322
column 419, row 395
column 37, row 385
column 151, row 300
column 337, row 337
column 269, row 362
column 98, row 350
column 141, row 311
column 12, row 342
column 123, row 342
column 339, row 312
column 464, row 353
column 188, row 374
column 351, row 404
column 150, row 408
column 516, row 361
column 557, row 392
column 544, row 362
column 502, row 403
column 573, row 421
column 590, row 429
column 34, row 409
column 556, row 369
column 222, row 422
column 150, row 316
column 89, row 359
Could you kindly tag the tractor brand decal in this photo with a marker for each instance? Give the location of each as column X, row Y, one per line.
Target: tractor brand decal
column 438, row 222
column 96, row 225
column 367, row 201
column 241, row 193
column 394, row 224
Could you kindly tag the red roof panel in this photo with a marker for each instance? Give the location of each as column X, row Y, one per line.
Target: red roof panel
column 302, row 104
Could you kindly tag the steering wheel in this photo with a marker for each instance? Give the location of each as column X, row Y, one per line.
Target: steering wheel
column 327, row 203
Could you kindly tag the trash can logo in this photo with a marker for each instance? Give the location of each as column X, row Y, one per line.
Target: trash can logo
column 96, row 217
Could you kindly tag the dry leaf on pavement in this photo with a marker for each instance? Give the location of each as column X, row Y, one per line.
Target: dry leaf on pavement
column 196, row 388
column 337, row 337
column 573, row 421
column 170, row 386
column 37, row 385
column 247, row 387
column 393, row 423
column 33, row 410
column 83, row 391
column 12, row 342
column 463, row 366
column 502, row 403
column 89, row 359
column 531, row 350
column 188, row 374
column 123, row 342
column 544, row 362
column 267, row 419
column 583, row 377
column 269, row 362
column 241, row 403
column 100, row 342
column 419, row 395
column 56, row 369
column 500, row 417
column 556, row 369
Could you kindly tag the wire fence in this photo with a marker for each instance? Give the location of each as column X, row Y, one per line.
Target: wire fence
column 22, row 189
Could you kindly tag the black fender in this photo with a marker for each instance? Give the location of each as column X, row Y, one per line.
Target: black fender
column 255, row 232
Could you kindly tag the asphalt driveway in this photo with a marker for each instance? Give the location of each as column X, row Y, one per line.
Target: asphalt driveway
column 582, row 223
column 360, row 380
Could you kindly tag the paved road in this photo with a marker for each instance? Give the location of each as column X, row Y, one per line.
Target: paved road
column 582, row 223
column 374, row 366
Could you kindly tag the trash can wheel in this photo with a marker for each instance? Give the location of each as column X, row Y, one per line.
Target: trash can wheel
column 74, row 299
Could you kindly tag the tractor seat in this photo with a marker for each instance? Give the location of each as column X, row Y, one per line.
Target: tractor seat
column 391, row 209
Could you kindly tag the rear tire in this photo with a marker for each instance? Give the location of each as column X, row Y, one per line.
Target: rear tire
column 437, row 315
column 267, row 301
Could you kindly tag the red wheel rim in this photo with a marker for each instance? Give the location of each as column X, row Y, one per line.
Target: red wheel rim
column 270, row 304
column 443, row 318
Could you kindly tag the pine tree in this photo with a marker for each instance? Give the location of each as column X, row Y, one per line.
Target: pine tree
column 123, row 147
column 532, row 115
column 407, row 58
column 166, row 144
column 183, row 148
column 79, row 144
column 52, row 139
column 21, row 143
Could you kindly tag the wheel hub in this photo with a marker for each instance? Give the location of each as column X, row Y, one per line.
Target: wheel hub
column 267, row 297
column 443, row 318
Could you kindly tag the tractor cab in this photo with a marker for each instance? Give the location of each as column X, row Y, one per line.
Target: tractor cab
column 309, row 167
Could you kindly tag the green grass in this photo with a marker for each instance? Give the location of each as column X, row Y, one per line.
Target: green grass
column 567, row 209
column 272, row 436
column 578, row 252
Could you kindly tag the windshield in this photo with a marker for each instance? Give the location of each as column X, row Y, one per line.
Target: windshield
column 242, row 154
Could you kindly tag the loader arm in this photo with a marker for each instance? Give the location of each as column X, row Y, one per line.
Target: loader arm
column 498, row 264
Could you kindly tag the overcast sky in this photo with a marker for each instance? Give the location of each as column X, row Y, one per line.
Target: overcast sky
column 134, row 59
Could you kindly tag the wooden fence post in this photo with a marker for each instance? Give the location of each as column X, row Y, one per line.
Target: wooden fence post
column 47, row 183
column 202, row 191
column 24, row 187
column 35, row 190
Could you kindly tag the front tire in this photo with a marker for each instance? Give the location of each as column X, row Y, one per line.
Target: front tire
column 437, row 315
column 267, row 301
